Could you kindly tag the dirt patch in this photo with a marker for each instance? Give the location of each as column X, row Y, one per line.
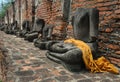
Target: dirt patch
column 2, row 67
column 3, row 64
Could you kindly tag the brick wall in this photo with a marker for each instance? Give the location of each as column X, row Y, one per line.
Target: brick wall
column 48, row 10
column 51, row 12
column 25, row 12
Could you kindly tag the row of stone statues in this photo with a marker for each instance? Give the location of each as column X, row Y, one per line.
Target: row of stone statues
column 85, row 27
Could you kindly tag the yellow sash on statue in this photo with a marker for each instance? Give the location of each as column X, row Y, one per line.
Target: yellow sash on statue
column 99, row 65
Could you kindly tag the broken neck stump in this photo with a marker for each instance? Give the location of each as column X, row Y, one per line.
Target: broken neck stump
column 85, row 24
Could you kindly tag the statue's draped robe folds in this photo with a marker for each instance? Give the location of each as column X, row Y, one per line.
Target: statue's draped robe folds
column 99, row 65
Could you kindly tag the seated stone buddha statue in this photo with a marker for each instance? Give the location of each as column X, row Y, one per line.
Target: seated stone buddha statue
column 85, row 28
column 81, row 52
column 66, row 54
column 36, row 30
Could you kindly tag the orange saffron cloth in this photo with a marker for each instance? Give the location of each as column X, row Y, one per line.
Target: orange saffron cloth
column 99, row 65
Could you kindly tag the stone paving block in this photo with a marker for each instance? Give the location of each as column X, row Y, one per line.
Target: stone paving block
column 63, row 72
column 78, row 76
column 106, row 80
column 49, row 80
column 85, row 80
column 44, row 73
column 117, row 80
column 112, row 76
column 17, row 58
column 24, row 73
column 26, row 79
column 63, row 78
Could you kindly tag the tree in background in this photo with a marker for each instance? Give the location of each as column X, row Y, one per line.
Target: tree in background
column 4, row 8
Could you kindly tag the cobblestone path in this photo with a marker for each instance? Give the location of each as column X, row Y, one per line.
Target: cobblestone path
column 29, row 64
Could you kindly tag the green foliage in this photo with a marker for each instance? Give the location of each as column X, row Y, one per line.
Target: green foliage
column 4, row 9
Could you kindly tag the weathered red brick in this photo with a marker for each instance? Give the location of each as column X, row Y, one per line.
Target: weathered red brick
column 103, row 38
column 117, row 11
column 99, row 5
column 102, row 0
column 113, row 46
column 79, row 0
column 117, row 52
column 105, row 13
column 105, row 22
column 108, row 30
column 113, row 62
column 114, row 59
column 110, row 3
column 115, row 25
column 69, row 27
column 99, row 0
column 101, row 44
column 103, row 8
